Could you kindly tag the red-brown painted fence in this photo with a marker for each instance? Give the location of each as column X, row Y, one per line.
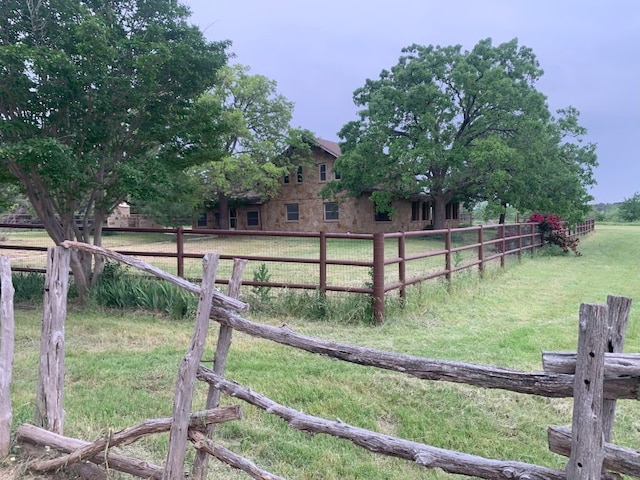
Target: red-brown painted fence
column 394, row 260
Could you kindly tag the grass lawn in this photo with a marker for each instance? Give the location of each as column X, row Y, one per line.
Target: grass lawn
column 121, row 368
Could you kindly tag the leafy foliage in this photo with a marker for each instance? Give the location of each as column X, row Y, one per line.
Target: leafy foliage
column 462, row 125
column 629, row 209
column 258, row 133
column 95, row 98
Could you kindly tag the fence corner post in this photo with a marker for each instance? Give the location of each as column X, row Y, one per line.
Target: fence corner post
column 587, row 439
column 378, row 277
column 50, row 389
column 7, row 340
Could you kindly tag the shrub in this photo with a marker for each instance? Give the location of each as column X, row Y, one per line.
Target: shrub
column 554, row 232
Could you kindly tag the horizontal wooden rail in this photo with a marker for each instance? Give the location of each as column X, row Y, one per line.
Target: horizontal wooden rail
column 556, row 385
column 424, row 455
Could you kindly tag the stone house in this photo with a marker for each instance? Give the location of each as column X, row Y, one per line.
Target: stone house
column 298, row 206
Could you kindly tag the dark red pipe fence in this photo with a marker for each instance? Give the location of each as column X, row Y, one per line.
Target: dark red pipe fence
column 490, row 242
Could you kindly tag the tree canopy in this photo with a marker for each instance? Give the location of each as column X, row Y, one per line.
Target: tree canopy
column 258, row 134
column 93, row 101
column 629, row 209
column 468, row 126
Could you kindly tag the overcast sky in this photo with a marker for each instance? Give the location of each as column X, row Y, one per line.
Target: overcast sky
column 320, row 51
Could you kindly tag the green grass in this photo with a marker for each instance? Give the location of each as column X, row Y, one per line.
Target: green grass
column 121, row 368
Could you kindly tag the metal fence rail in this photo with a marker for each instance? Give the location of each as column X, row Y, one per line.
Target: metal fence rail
column 371, row 264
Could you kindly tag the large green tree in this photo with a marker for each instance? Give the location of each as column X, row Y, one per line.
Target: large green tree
column 93, row 98
column 256, row 143
column 458, row 125
column 629, row 209
column 549, row 170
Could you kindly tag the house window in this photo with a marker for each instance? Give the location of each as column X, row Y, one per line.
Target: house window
column 286, row 179
column 331, row 212
column 322, row 172
column 202, row 219
column 382, row 217
column 336, row 175
column 253, row 219
column 426, row 211
column 415, row 211
column 293, row 213
column 299, row 175
column 451, row 211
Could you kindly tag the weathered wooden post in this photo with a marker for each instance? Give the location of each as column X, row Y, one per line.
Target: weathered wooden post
column 201, row 462
column 619, row 308
column 185, row 384
column 50, row 389
column 7, row 324
column 587, row 439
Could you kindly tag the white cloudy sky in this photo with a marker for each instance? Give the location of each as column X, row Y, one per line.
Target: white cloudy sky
column 320, row 51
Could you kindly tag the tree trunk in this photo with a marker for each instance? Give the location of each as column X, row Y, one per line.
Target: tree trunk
column 98, row 267
column 503, row 215
column 439, row 213
column 223, row 207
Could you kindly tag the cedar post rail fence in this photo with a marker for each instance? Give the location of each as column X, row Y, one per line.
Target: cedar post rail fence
column 393, row 261
column 596, row 376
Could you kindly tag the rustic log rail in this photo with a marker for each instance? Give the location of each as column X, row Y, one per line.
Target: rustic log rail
column 599, row 375
column 423, row 455
column 198, row 420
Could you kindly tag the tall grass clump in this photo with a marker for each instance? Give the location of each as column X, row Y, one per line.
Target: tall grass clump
column 118, row 288
column 312, row 305
column 29, row 287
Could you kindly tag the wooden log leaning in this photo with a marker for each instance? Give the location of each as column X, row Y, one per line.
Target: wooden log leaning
column 587, row 439
column 203, row 444
column 536, row 383
column 424, row 455
column 185, row 383
column 131, row 434
column 219, row 299
column 617, row 459
column 223, row 345
column 30, row 434
column 7, row 338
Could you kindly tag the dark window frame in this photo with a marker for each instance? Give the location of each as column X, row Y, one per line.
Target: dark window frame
column 322, row 172
column 292, row 212
column 331, row 211
column 250, row 221
column 381, row 217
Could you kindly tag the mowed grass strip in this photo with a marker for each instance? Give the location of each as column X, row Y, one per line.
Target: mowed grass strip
column 121, row 369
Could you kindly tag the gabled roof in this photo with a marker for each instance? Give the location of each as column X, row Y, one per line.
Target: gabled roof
column 332, row 148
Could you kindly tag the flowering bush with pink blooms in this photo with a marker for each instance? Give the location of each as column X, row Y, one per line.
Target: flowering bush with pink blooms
column 554, row 232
